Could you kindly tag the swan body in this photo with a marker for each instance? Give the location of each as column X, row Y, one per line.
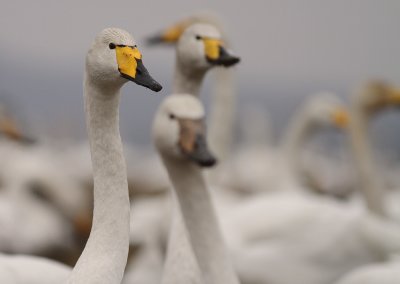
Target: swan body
column 40, row 204
column 320, row 238
column 385, row 273
column 178, row 134
column 34, row 270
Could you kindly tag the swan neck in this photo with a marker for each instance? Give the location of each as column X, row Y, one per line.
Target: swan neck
column 187, row 80
column 222, row 113
column 299, row 128
column 200, row 220
column 370, row 185
column 104, row 257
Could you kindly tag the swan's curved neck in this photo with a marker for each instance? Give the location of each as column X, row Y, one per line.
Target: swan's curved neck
column 104, row 257
column 200, row 220
column 370, row 184
column 187, row 80
column 297, row 131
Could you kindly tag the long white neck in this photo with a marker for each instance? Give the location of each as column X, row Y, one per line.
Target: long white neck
column 180, row 266
column 104, row 257
column 222, row 113
column 370, row 184
column 201, row 222
column 297, row 131
column 187, row 80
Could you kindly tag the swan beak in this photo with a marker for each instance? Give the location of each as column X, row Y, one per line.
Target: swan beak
column 341, row 118
column 394, row 96
column 193, row 144
column 216, row 53
column 10, row 130
column 130, row 65
column 169, row 36
column 83, row 225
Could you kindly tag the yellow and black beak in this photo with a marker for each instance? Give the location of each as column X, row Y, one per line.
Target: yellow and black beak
column 130, row 65
column 216, row 54
column 193, row 144
column 340, row 118
column 393, row 96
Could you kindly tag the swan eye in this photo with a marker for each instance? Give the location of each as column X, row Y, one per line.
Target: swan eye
column 112, row 45
column 39, row 190
column 171, row 116
column 198, row 37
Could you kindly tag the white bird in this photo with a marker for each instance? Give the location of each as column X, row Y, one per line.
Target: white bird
column 111, row 61
column 40, row 205
column 265, row 168
column 372, row 98
column 385, row 273
column 179, row 136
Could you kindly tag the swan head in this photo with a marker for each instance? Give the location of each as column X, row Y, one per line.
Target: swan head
column 179, row 130
column 200, row 46
column 376, row 95
column 114, row 58
column 170, row 35
column 324, row 110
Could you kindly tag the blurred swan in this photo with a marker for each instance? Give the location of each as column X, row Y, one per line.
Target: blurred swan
column 179, row 136
column 40, row 204
column 264, row 168
column 316, row 238
column 112, row 59
column 371, row 98
column 386, row 273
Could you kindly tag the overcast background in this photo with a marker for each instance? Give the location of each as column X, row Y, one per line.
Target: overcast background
column 289, row 50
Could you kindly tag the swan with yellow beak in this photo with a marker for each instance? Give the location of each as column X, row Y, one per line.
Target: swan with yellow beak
column 214, row 47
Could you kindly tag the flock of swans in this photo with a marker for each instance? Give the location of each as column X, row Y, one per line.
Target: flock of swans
column 197, row 212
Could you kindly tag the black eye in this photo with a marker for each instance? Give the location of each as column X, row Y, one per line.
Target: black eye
column 198, row 37
column 39, row 190
column 171, row 116
column 111, row 45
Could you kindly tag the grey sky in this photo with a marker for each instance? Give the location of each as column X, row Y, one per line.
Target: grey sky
column 288, row 48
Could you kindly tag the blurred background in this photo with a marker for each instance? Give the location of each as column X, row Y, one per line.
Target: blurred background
column 289, row 50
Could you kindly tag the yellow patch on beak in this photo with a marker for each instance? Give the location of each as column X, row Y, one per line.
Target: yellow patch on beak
column 394, row 96
column 173, row 33
column 211, row 47
column 341, row 118
column 9, row 128
column 127, row 57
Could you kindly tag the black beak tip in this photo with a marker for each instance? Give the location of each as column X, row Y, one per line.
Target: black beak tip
column 154, row 40
column 207, row 163
column 233, row 60
column 156, row 87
